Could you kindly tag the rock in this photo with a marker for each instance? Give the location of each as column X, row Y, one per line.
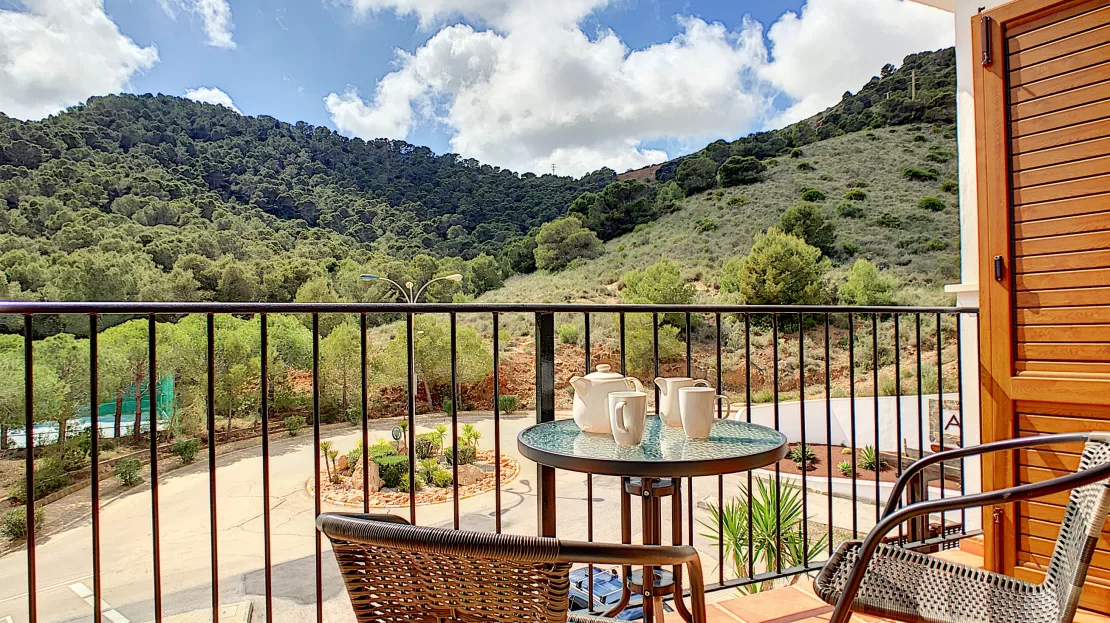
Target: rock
column 375, row 481
column 341, row 463
column 471, row 475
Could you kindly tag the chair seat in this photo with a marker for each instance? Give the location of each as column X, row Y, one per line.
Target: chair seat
column 586, row 618
column 910, row 586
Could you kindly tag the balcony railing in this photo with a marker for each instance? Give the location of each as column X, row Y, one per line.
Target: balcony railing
column 887, row 378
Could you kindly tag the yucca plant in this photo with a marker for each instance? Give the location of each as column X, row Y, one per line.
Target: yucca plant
column 803, row 456
column 845, row 468
column 470, row 436
column 870, row 460
column 441, row 432
column 771, row 508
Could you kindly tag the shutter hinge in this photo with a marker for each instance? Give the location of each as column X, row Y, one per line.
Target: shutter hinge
column 996, row 513
column 999, row 268
column 985, row 39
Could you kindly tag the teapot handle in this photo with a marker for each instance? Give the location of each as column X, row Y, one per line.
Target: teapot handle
column 634, row 383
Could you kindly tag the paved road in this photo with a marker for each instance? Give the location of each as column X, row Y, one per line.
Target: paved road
column 64, row 560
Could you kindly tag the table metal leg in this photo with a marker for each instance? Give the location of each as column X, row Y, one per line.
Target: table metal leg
column 676, row 539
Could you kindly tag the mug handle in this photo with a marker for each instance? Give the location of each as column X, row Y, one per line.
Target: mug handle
column 618, row 418
column 726, row 411
column 701, row 383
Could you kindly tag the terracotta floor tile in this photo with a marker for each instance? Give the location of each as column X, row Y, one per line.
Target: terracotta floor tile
column 783, row 605
column 715, row 614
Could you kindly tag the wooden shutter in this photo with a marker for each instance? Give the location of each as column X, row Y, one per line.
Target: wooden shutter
column 1042, row 89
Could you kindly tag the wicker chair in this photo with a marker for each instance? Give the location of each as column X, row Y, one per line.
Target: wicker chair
column 871, row 578
column 396, row 572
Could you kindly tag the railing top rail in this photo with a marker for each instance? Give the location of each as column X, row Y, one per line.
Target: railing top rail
column 135, row 307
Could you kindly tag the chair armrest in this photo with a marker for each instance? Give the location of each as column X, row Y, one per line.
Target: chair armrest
column 895, row 499
column 1008, row 495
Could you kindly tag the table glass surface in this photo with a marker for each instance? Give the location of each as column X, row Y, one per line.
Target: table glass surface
column 728, row 441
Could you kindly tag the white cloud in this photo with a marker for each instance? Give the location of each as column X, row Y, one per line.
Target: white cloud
column 838, row 45
column 56, row 53
column 215, row 18
column 537, row 90
column 211, row 95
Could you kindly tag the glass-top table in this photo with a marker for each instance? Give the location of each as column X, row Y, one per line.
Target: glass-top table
column 651, row 471
column 664, row 453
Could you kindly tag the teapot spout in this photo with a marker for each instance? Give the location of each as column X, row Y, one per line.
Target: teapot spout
column 580, row 384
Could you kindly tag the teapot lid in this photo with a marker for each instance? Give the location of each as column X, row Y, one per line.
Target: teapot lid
column 604, row 373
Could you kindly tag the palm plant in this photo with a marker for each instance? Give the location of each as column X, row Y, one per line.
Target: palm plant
column 471, row 435
column 441, row 431
column 775, row 517
column 325, row 449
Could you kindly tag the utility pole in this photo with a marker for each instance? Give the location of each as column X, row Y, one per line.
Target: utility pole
column 553, row 168
column 913, row 84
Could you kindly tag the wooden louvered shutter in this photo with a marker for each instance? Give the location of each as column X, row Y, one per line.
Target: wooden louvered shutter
column 1042, row 90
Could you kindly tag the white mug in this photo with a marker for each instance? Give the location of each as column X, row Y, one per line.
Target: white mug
column 668, row 397
column 696, row 406
column 627, row 414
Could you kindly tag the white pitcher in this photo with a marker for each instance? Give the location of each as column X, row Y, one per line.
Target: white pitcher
column 628, row 414
column 697, row 406
column 668, row 397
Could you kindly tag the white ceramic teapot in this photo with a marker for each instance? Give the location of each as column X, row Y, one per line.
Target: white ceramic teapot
column 591, row 397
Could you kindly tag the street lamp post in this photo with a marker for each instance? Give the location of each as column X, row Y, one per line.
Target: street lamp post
column 411, row 298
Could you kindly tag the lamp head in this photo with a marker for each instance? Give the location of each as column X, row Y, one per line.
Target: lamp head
column 408, row 284
column 454, row 277
column 369, row 277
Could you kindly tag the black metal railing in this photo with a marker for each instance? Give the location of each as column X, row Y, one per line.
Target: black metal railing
column 819, row 367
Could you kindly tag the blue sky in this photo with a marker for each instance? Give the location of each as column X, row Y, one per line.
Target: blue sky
column 519, row 83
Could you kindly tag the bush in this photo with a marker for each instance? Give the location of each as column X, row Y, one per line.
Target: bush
column 380, row 450
column 46, row 481
column 812, row 195
column 849, row 210
column 392, row 468
column 705, row 224
column 568, row 334
column 69, row 458
column 888, row 220
column 696, row 174
column 806, row 222
column 919, row 138
column 950, row 187
column 508, row 403
column 795, row 153
column 870, row 460
column 403, row 486
column 857, row 184
column 354, row 416
column 739, row 170
column 932, row 204
column 805, row 166
column 917, row 175
column 780, row 269
column 426, row 446
column 849, row 248
column 855, row 195
column 293, row 425
column 13, row 524
column 563, row 240
column 128, row 472
column 845, row 468
column 802, row 453
column 867, row 286
column 936, row 244
column 738, row 200
column 447, row 405
column 185, row 449
column 938, row 156
column 442, row 479
column 467, row 454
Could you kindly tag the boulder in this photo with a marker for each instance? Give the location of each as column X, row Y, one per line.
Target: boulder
column 341, row 463
column 375, row 481
column 471, row 475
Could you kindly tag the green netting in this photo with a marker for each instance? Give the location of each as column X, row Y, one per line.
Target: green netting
column 164, row 397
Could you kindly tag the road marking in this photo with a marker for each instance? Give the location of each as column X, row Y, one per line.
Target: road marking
column 109, row 612
column 6, row 619
column 43, row 589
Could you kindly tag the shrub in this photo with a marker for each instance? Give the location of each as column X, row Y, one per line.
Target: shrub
column 931, row 204
column 802, row 453
column 870, row 460
column 739, row 170
column 919, row 138
column 508, row 403
column 69, row 458
column 696, row 174
column 849, row 210
column 563, row 240
column 950, row 186
column 185, row 449
column 705, row 224
column 845, row 468
column 379, row 450
column 293, row 425
column 392, row 468
column 917, row 175
column 568, row 333
column 938, row 156
column 888, row 220
column 855, row 195
column 354, row 416
column 795, row 153
column 805, row 166
column 46, row 481
column 849, row 248
column 780, row 269
column 13, row 524
column 867, row 286
column 467, row 454
column 857, row 184
column 426, row 446
column 936, row 244
column 812, row 195
column 447, row 405
column 442, row 478
column 846, row 451
column 806, row 222
column 128, row 472
column 403, row 486
column 738, row 200
column 771, row 162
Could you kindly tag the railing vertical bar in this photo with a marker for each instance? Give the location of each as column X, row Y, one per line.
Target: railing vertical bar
column 720, row 359
column 655, row 356
column 960, row 411
column 316, row 463
column 689, row 348
column 919, row 491
column 589, row 477
column 828, row 429
column 748, row 417
column 29, row 461
column 804, row 440
column 586, row 338
column 155, row 520
column 210, row 363
column 898, row 399
column 852, row 417
column 720, row 529
column 875, row 391
column 365, row 414
column 496, row 417
column 410, row 337
column 546, row 507
column 94, row 460
column 778, row 470
column 624, row 360
column 940, row 416
column 264, row 349
column 455, row 420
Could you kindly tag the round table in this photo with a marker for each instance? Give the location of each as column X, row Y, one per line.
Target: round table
column 652, row 471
